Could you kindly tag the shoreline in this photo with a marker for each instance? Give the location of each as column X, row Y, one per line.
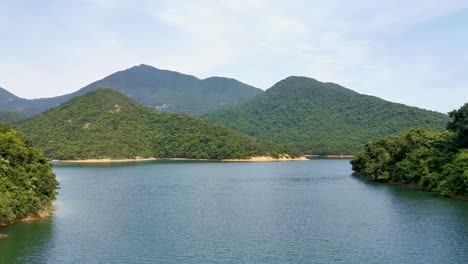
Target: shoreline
column 266, row 159
column 331, row 156
column 412, row 186
column 252, row 159
column 105, row 160
column 39, row 215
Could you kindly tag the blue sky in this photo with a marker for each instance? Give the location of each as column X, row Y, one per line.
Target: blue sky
column 412, row 52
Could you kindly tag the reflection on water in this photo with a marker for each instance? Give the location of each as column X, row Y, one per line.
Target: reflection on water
column 213, row 212
column 27, row 242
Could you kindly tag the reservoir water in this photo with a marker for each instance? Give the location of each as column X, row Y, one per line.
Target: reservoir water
column 215, row 212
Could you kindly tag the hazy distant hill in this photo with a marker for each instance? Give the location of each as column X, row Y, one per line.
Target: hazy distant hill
column 323, row 118
column 9, row 101
column 106, row 124
column 10, row 117
column 164, row 90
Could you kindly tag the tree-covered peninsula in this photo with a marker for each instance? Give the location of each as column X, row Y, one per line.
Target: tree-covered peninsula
column 436, row 161
column 105, row 124
column 27, row 183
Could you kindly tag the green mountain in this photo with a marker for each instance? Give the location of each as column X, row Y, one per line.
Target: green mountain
column 163, row 90
column 322, row 118
column 107, row 124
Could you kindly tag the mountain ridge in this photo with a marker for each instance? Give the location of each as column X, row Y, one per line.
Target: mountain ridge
column 322, row 118
column 153, row 87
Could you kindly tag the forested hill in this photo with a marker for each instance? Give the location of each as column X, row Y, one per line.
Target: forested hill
column 164, row 90
column 323, row 118
column 106, row 124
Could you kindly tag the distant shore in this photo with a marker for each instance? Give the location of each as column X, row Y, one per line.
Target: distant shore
column 331, row 156
column 266, row 159
column 104, row 160
column 252, row 159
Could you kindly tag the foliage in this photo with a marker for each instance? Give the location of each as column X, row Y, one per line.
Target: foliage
column 167, row 91
column 27, row 183
column 459, row 124
column 432, row 160
column 322, row 118
column 107, row 124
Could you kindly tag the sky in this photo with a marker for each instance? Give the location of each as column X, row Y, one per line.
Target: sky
column 412, row 52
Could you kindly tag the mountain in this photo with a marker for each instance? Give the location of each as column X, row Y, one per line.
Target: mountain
column 7, row 97
column 323, row 118
column 10, row 117
column 10, row 102
column 163, row 90
column 107, row 124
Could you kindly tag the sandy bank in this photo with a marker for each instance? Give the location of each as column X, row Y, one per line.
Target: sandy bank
column 104, row 160
column 331, row 156
column 252, row 159
column 265, row 159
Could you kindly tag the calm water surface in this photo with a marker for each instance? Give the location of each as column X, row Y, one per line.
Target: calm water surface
column 206, row 212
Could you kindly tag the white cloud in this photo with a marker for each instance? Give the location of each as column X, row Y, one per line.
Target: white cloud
column 255, row 41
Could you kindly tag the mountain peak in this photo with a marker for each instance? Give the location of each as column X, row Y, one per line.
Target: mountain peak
column 146, row 66
column 305, row 86
column 151, row 69
column 299, row 78
column 102, row 100
column 169, row 91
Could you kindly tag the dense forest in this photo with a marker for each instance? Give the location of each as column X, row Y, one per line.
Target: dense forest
column 106, row 124
column 27, row 183
column 436, row 161
column 167, row 91
column 323, row 118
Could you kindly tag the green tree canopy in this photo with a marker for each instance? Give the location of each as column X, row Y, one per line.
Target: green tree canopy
column 459, row 124
column 432, row 160
column 27, row 183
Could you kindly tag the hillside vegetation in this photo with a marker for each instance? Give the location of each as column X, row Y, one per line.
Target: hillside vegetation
column 322, row 118
column 107, row 124
column 436, row 161
column 10, row 117
column 27, row 183
column 167, row 91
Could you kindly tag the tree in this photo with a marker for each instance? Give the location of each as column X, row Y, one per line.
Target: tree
column 459, row 124
column 27, row 183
